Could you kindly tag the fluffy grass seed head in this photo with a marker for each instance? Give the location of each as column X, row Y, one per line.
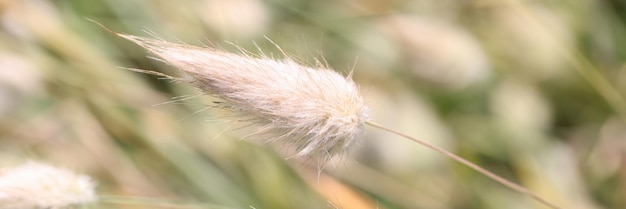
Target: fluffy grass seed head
column 37, row 186
column 315, row 110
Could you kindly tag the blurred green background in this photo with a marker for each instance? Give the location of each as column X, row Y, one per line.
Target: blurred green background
column 532, row 90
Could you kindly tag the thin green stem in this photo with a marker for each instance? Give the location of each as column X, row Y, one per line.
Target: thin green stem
column 463, row 161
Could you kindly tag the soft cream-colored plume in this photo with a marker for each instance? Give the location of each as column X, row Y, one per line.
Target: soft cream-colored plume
column 41, row 186
column 317, row 111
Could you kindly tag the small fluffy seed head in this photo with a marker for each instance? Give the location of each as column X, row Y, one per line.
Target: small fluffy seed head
column 317, row 111
column 38, row 186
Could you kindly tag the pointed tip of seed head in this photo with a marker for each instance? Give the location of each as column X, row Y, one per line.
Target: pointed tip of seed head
column 102, row 26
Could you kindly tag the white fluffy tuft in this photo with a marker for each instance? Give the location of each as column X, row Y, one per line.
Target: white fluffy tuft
column 317, row 111
column 38, row 186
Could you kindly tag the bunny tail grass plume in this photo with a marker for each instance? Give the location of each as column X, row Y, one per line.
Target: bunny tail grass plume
column 37, row 186
column 316, row 111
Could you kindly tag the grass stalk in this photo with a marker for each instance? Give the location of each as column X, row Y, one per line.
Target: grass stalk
column 473, row 166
